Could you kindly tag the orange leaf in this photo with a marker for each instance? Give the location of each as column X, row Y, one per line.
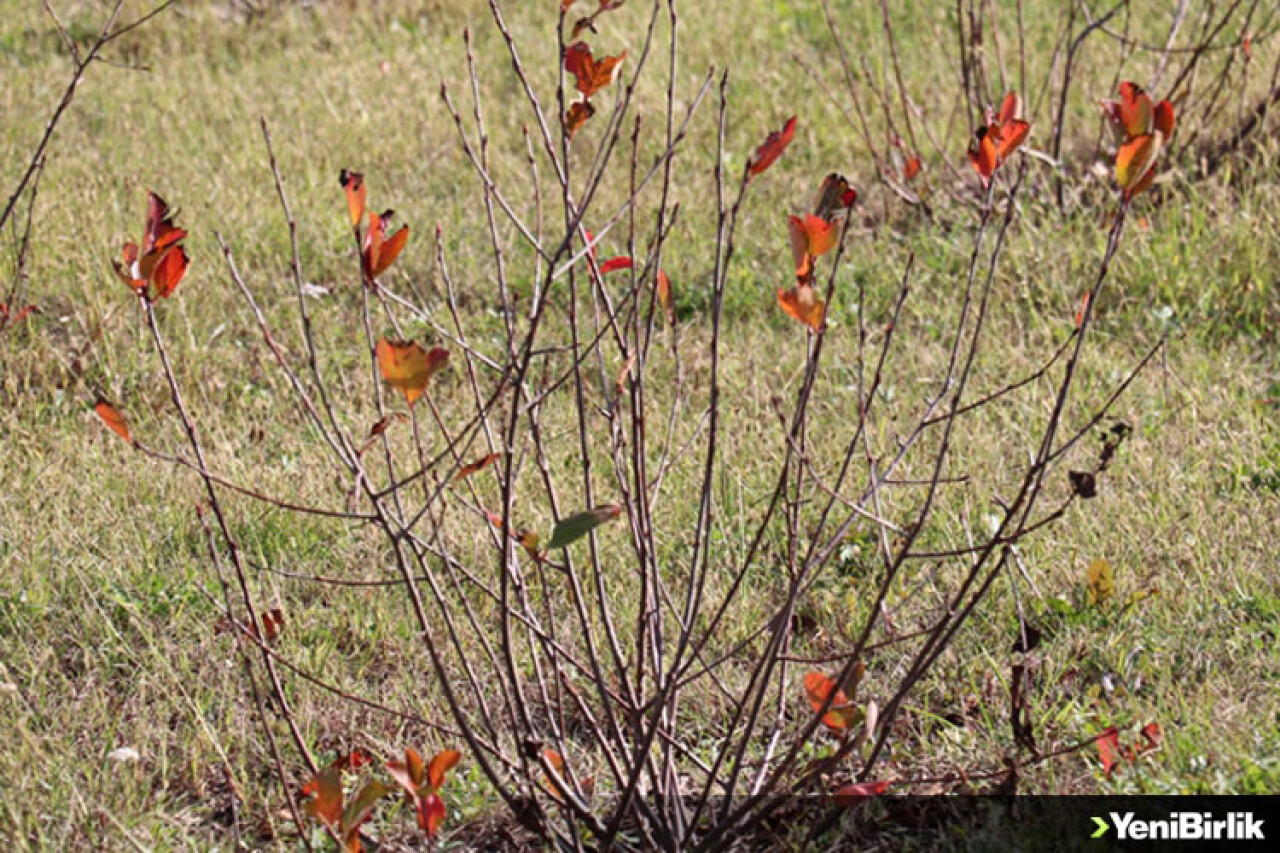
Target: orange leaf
column 664, row 290
column 811, row 237
column 840, row 714
column 1151, row 733
column 408, row 774
column 326, row 805
column 408, row 367
column 472, row 467
column 1084, row 306
column 983, row 153
column 353, row 760
column 111, row 416
column 802, row 303
column 771, row 149
column 1010, row 109
column 353, row 183
column 622, row 262
column 556, row 760
column 379, row 250
column 591, row 74
column 856, row 792
column 440, row 765
column 161, row 262
column 18, row 317
column 1012, row 134
column 1135, row 157
column 578, row 114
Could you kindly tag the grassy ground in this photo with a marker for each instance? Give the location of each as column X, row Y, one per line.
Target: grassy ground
column 106, row 640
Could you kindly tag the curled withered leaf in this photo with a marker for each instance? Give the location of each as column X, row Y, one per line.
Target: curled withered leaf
column 591, row 74
column 1083, row 484
column 772, row 148
column 577, row 115
column 478, row 465
column 835, row 197
column 408, row 367
column 381, row 426
column 353, row 183
column 111, row 416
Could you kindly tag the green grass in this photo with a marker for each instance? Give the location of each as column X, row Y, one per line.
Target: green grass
column 106, row 639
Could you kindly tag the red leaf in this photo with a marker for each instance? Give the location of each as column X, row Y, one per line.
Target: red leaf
column 622, row 262
column 431, row 813
column 1134, row 159
column 1151, row 733
column 771, row 149
column 1010, row 109
column 1084, row 306
column 326, row 804
column 856, row 792
column 169, row 271
column 1109, row 749
column 162, row 262
column 272, row 624
column 1163, row 119
column 911, row 168
column 17, row 318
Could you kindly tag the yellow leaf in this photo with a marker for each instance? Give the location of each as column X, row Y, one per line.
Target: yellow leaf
column 1102, row 581
column 408, row 367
